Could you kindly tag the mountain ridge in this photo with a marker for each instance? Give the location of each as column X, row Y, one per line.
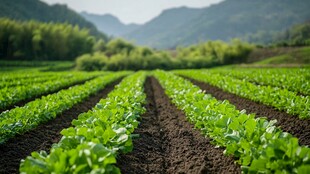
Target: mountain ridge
column 223, row 21
column 109, row 24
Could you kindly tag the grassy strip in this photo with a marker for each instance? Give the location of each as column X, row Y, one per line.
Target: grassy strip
column 21, row 119
column 34, row 63
column 92, row 144
column 299, row 56
column 260, row 146
column 281, row 99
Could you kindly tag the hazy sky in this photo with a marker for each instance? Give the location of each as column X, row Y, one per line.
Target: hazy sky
column 128, row 11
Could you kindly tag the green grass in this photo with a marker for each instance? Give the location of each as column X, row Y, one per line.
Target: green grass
column 36, row 65
column 276, row 60
column 300, row 56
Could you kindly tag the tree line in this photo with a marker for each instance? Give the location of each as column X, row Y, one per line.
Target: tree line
column 42, row 41
column 121, row 55
column 297, row 35
column 55, row 41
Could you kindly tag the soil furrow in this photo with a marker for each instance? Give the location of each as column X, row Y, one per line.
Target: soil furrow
column 23, row 102
column 147, row 156
column 169, row 144
column 288, row 123
column 42, row 137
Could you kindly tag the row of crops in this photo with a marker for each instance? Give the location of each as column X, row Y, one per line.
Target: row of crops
column 295, row 80
column 21, row 119
column 257, row 143
column 286, row 99
column 15, row 88
column 98, row 136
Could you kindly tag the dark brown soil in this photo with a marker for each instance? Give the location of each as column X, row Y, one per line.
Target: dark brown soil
column 42, row 137
column 23, row 102
column 169, row 144
column 289, row 123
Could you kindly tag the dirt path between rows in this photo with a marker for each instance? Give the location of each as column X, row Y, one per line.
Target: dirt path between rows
column 169, row 144
column 23, row 102
column 42, row 137
column 289, row 123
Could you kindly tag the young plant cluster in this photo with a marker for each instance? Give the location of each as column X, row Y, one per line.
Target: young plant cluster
column 12, row 95
column 17, row 79
column 32, row 81
column 260, row 146
column 295, row 80
column 21, row 119
column 16, row 75
column 91, row 145
column 281, row 99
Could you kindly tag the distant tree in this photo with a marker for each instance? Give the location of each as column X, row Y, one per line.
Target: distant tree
column 99, row 46
column 119, row 46
column 43, row 41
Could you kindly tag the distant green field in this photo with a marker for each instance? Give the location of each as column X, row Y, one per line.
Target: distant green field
column 300, row 56
column 36, row 65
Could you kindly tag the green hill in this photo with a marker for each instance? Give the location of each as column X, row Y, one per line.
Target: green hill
column 24, row 10
column 162, row 31
column 109, row 24
column 222, row 21
column 298, row 56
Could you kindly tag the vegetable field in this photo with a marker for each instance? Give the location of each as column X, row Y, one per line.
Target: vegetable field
column 182, row 121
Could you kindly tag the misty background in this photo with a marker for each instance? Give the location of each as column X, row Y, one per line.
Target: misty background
column 130, row 11
column 144, row 34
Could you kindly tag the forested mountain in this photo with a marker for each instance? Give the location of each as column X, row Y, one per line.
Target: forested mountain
column 223, row 21
column 109, row 24
column 36, row 10
column 297, row 35
column 164, row 28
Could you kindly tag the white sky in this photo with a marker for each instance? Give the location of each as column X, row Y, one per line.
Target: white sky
column 130, row 11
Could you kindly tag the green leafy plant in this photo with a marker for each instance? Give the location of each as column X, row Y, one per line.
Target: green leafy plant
column 259, row 145
column 97, row 136
column 21, row 119
column 281, row 99
column 295, row 80
column 10, row 95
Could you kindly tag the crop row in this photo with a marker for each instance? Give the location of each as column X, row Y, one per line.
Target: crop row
column 281, row 99
column 260, row 146
column 23, row 82
column 11, row 76
column 91, row 145
column 12, row 95
column 295, row 80
column 21, row 119
column 31, row 81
